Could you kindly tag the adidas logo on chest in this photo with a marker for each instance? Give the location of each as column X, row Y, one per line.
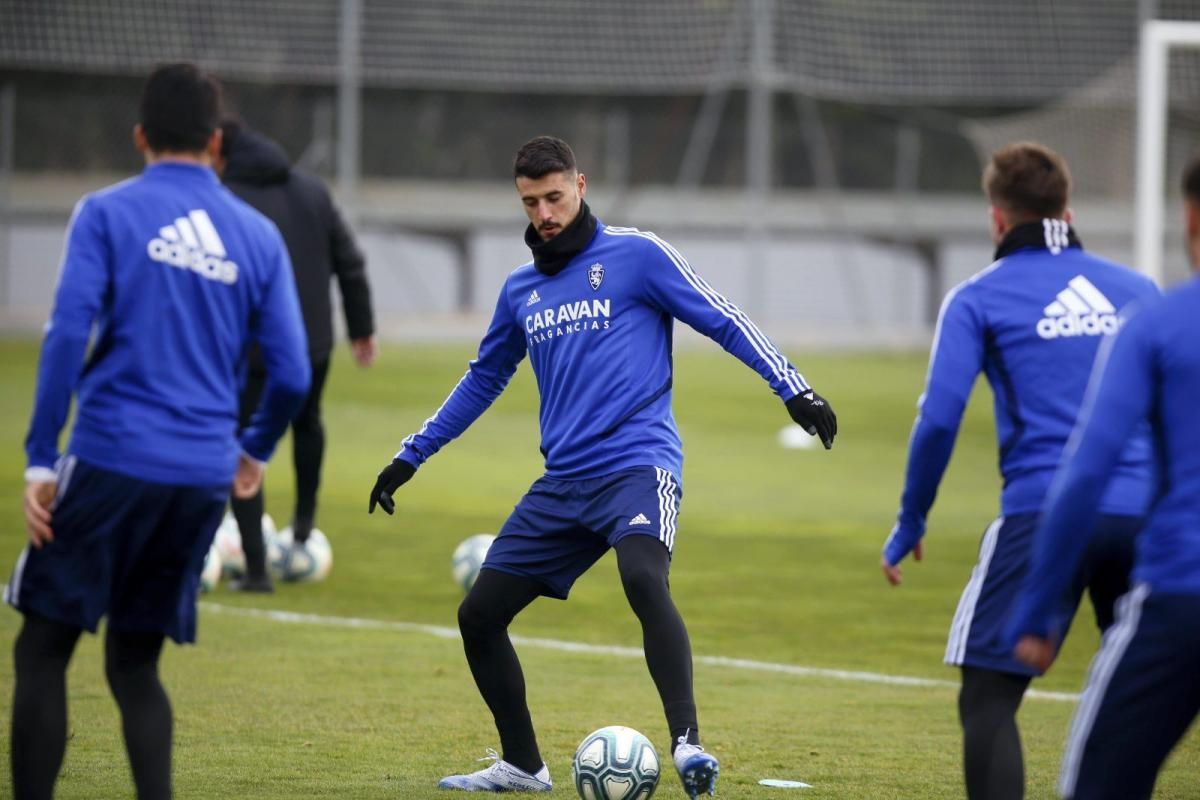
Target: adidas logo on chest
column 1078, row 310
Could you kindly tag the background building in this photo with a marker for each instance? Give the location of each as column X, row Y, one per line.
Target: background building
column 818, row 161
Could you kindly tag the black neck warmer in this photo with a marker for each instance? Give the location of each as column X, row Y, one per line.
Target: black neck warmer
column 551, row 256
column 1045, row 234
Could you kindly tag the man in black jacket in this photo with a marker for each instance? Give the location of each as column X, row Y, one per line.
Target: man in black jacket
column 257, row 170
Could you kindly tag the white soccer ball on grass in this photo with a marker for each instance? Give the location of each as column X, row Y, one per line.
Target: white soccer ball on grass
column 299, row 563
column 210, row 573
column 228, row 542
column 615, row 763
column 793, row 437
column 468, row 558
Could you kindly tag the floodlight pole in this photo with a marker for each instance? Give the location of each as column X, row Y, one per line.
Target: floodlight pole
column 760, row 90
column 708, row 119
column 8, row 125
column 349, row 94
column 1157, row 37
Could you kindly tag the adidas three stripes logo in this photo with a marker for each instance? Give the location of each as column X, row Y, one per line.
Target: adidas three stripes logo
column 1078, row 310
column 192, row 242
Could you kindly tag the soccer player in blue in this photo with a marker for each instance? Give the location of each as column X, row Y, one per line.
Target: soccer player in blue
column 1143, row 690
column 176, row 277
column 594, row 311
column 1032, row 322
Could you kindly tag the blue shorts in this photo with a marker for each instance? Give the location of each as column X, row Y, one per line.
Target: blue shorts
column 1142, row 693
column 123, row 547
column 560, row 528
column 977, row 636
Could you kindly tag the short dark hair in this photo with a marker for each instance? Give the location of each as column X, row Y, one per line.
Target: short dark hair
column 181, row 107
column 1191, row 180
column 542, row 155
column 1027, row 179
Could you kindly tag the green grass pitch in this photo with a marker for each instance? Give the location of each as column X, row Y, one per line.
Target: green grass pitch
column 776, row 561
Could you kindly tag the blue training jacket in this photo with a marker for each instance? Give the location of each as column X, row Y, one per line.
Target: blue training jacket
column 598, row 335
column 1151, row 372
column 170, row 277
column 1032, row 322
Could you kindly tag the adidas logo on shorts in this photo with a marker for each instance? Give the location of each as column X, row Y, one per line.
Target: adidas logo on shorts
column 193, row 243
column 640, row 519
column 1079, row 310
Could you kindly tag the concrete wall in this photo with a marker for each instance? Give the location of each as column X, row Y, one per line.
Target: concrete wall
column 819, row 280
column 829, row 288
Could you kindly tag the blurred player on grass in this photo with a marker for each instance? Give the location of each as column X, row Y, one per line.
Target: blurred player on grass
column 1143, row 690
column 321, row 248
column 177, row 277
column 1032, row 322
column 594, row 311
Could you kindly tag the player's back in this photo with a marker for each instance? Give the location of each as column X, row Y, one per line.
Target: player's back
column 1043, row 313
column 188, row 270
column 1169, row 548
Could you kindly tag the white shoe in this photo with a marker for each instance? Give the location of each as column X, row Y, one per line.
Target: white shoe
column 697, row 769
column 501, row 776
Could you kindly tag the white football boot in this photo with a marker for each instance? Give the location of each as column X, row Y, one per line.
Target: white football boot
column 697, row 769
column 501, row 776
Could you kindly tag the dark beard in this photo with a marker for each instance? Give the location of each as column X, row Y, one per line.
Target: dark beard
column 550, row 256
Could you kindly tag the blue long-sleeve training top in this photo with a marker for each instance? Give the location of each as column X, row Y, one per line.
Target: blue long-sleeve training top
column 598, row 335
column 1032, row 323
column 169, row 277
column 1150, row 373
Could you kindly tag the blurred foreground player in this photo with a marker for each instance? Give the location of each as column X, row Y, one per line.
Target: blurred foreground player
column 1032, row 322
column 179, row 278
column 321, row 248
column 594, row 311
column 1143, row 690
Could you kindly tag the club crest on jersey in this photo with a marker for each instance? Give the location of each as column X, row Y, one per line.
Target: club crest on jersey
column 595, row 275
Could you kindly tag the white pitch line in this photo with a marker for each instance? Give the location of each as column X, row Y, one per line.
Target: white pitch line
column 442, row 632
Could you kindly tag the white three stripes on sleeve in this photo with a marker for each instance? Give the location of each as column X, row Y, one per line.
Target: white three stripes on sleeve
column 407, row 442
column 758, row 340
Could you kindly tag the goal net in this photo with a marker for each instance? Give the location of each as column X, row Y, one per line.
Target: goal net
column 1060, row 71
column 949, row 52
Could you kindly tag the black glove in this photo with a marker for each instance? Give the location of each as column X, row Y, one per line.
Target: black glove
column 391, row 478
column 813, row 413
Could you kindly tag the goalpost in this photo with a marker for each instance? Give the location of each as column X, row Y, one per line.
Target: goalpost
column 1158, row 37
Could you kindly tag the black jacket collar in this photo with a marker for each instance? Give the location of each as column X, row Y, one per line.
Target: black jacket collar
column 253, row 158
column 1054, row 235
column 550, row 257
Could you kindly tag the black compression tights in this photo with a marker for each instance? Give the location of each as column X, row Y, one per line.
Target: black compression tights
column 992, row 760
column 498, row 597
column 483, row 618
column 131, row 666
column 39, row 716
column 39, row 723
column 644, row 563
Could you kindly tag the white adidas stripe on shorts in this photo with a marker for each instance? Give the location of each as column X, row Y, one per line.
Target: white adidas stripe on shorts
column 960, row 630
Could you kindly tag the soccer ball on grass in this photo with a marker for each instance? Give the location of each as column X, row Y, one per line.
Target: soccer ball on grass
column 228, row 542
column 615, row 763
column 468, row 558
column 299, row 563
column 210, row 573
